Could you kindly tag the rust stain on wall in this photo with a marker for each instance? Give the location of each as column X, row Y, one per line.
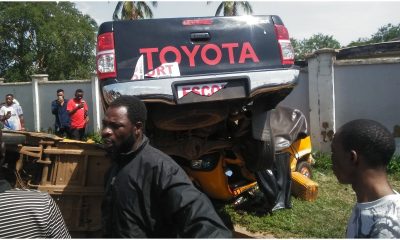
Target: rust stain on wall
column 396, row 131
column 327, row 134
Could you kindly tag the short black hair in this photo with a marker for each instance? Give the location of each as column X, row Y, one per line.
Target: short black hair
column 60, row 90
column 370, row 139
column 137, row 111
column 79, row 91
column 9, row 94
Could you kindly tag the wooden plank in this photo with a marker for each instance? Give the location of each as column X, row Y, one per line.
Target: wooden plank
column 75, row 152
column 71, row 190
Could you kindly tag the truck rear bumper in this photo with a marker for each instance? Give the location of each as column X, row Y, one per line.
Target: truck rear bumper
column 164, row 90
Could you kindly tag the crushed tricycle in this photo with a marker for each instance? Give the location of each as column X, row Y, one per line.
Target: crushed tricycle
column 212, row 86
column 72, row 171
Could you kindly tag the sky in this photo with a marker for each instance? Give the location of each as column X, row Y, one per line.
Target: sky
column 346, row 21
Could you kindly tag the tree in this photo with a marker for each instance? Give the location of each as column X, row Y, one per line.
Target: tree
column 131, row 10
column 315, row 42
column 231, row 8
column 47, row 37
column 384, row 34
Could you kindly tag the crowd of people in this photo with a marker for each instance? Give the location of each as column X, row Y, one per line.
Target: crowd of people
column 148, row 195
column 71, row 115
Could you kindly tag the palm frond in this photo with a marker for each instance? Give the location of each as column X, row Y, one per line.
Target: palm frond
column 231, row 8
column 248, row 9
column 117, row 10
column 133, row 10
column 144, row 9
column 220, row 9
column 128, row 10
column 235, row 8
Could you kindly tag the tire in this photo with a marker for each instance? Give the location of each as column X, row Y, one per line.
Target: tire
column 304, row 168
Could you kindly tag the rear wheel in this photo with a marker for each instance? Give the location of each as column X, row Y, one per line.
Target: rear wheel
column 305, row 169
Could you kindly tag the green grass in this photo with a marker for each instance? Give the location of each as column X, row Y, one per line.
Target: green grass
column 324, row 218
column 95, row 136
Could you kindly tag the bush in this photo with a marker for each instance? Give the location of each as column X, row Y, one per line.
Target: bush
column 394, row 165
column 95, row 136
column 323, row 161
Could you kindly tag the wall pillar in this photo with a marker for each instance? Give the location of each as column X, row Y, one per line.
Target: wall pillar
column 322, row 98
column 96, row 99
column 36, row 101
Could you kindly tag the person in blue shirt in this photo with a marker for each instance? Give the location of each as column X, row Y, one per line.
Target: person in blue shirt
column 59, row 109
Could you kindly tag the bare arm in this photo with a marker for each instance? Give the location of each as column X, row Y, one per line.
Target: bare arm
column 22, row 121
column 80, row 105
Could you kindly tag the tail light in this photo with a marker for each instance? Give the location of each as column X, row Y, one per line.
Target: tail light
column 105, row 57
column 287, row 51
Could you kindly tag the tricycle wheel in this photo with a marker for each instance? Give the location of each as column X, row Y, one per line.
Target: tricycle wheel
column 304, row 168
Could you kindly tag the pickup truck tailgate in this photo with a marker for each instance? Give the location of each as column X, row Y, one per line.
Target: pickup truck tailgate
column 198, row 45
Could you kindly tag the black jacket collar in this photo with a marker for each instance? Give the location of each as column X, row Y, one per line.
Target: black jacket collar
column 124, row 158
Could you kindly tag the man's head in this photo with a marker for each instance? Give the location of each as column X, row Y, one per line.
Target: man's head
column 60, row 93
column 9, row 99
column 359, row 145
column 123, row 124
column 79, row 94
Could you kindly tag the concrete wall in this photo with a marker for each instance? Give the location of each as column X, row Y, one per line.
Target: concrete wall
column 47, row 93
column 298, row 98
column 23, row 93
column 344, row 90
column 368, row 91
column 322, row 99
column 373, row 89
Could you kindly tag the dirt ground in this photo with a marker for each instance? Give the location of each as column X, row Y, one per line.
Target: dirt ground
column 241, row 232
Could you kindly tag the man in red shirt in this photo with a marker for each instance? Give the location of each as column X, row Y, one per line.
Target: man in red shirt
column 78, row 109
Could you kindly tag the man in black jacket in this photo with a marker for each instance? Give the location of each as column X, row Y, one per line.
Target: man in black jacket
column 147, row 194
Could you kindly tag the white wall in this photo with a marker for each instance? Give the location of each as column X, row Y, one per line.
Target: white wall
column 368, row 91
column 48, row 92
column 298, row 98
column 23, row 93
column 344, row 90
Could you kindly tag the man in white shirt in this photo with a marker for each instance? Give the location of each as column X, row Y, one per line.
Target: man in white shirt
column 11, row 114
column 361, row 151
